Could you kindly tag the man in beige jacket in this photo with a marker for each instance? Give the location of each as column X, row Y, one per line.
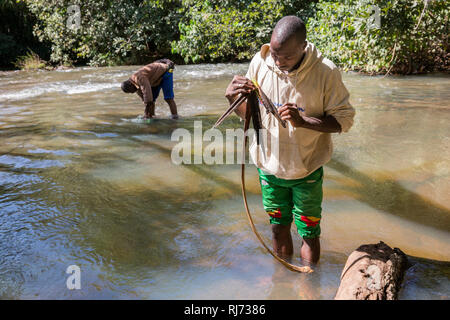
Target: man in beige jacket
column 148, row 81
column 310, row 95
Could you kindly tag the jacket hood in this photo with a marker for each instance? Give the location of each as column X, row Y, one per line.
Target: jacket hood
column 312, row 57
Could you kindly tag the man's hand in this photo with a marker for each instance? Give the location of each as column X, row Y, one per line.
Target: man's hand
column 289, row 112
column 239, row 85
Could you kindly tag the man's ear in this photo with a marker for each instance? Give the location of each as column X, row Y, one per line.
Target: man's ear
column 305, row 44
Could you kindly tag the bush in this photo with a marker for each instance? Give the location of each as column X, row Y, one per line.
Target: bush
column 30, row 61
column 408, row 38
column 412, row 35
column 229, row 30
column 110, row 32
column 16, row 33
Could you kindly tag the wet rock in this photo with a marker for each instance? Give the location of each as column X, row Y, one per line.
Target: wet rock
column 372, row 272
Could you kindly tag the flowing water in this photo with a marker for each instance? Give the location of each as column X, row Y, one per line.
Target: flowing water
column 82, row 183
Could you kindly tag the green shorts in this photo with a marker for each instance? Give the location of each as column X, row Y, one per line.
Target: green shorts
column 299, row 199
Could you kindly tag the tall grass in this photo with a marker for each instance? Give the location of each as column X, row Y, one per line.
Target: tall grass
column 30, row 61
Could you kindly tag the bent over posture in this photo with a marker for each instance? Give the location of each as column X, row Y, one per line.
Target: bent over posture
column 148, row 81
column 309, row 93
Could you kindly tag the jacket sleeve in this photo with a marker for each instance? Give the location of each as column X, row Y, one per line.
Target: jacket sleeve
column 336, row 101
column 139, row 93
column 146, row 88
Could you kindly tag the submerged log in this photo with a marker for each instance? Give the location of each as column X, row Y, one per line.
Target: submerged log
column 372, row 272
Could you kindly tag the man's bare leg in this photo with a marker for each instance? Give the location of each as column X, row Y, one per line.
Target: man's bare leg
column 173, row 108
column 282, row 241
column 310, row 251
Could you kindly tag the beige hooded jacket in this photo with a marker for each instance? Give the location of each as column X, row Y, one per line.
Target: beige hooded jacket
column 317, row 89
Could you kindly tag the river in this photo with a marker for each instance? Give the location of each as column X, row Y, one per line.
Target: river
column 82, row 183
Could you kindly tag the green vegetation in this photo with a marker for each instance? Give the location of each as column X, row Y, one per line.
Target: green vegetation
column 409, row 36
column 16, row 33
column 229, row 30
column 30, row 61
column 110, row 32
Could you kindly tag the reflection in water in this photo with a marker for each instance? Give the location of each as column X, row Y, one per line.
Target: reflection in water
column 80, row 183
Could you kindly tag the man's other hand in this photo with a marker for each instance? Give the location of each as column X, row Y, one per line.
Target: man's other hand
column 289, row 112
column 239, row 85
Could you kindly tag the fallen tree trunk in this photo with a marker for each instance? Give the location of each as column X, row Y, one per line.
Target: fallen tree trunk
column 372, row 272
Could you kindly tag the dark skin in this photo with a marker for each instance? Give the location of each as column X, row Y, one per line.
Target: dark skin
column 288, row 56
column 149, row 111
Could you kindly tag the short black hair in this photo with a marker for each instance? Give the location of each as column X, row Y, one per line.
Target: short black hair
column 128, row 86
column 288, row 27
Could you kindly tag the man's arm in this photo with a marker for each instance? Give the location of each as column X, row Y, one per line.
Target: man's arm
column 146, row 89
column 145, row 93
column 336, row 101
column 289, row 112
column 338, row 112
column 139, row 93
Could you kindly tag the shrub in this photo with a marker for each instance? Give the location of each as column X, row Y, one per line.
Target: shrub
column 16, row 32
column 110, row 32
column 30, row 61
column 408, row 38
column 412, row 35
column 229, row 30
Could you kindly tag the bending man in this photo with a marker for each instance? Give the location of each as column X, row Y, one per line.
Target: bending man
column 148, row 81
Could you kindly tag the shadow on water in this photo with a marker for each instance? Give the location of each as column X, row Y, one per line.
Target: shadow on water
column 387, row 195
column 163, row 128
column 113, row 226
column 122, row 228
column 391, row 197
column 142, row 250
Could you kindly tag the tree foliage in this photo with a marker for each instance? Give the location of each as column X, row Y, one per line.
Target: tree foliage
column 111, row 32
column 412, row 35
column 16, row 33
column 228, row 29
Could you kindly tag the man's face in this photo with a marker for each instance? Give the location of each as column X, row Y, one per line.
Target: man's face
column 287, row 55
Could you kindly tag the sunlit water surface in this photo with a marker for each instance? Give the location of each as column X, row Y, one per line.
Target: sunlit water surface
column 81, row 183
